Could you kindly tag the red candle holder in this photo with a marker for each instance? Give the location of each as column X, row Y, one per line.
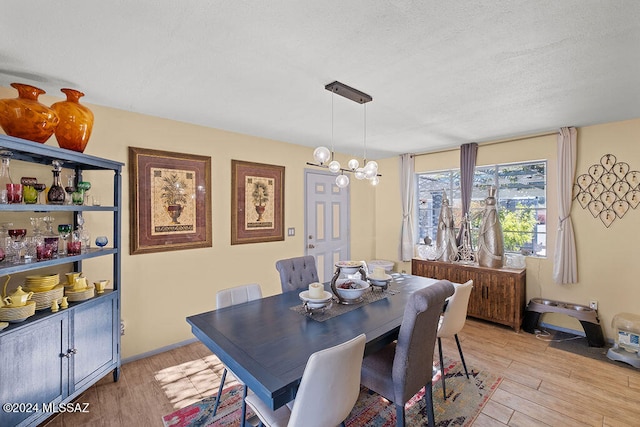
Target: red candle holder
column 74, row 248
column 44, row 251
column 14, row 193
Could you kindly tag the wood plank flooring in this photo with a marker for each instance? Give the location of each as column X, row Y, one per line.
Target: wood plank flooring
column 542, row 385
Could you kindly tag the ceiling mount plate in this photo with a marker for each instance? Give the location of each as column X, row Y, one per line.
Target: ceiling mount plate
column 348, row 92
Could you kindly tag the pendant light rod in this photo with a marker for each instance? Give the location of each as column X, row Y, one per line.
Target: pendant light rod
column 348, row 92
column 332, row 118
column 365, row 133
column 341, row 170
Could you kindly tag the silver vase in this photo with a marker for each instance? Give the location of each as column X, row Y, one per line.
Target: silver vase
column 490, row 240
column 446, row 246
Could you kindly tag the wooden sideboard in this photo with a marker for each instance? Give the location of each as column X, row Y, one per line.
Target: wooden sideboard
column 498, row 294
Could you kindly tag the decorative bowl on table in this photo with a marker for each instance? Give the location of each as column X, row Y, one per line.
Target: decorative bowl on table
column 315, row 304
column 379, row 280
column 349, row 267
column 350, row 291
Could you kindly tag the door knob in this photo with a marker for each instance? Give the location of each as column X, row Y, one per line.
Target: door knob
column 310, row 246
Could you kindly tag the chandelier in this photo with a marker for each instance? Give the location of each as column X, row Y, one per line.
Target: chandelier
column 324, row 157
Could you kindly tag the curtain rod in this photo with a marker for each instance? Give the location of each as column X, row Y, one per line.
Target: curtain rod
column 482, row 144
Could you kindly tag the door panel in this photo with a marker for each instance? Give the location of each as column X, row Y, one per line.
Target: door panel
column 326, row 222
column 92, row 339
column 33, row 367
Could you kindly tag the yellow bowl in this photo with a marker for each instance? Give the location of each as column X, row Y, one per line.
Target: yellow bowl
column 40, row 287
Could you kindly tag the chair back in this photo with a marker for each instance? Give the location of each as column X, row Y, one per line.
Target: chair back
column 238, row 295
column 297, row 273
column 413, row 360
column 330, row 385
column 455, row 314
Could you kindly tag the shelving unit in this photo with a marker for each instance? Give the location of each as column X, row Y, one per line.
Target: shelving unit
column 51, row 358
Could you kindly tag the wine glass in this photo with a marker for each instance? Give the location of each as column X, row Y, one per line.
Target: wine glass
column 17, row 235
column 48, row 220
column 36, row 224
column 101, row 241
column 40, row 187
column 64, row 230
column 84, row 187
column 69, row 190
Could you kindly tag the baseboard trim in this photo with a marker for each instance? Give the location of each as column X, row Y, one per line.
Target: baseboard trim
column 158, row 350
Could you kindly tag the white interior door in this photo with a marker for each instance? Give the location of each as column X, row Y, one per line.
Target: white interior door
column 326, row 222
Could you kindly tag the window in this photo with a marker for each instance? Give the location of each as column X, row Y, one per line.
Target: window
column 521, row 198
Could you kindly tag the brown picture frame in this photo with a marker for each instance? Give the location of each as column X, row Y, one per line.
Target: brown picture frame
column 170, row 203
column 257, row 202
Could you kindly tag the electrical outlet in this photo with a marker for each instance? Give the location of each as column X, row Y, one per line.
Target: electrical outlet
column 593, row 304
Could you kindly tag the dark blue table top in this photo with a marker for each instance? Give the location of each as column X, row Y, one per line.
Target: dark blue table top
column 267, row 345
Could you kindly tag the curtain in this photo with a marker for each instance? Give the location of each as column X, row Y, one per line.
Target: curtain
column 468, row 154
column 407, row 167
column 565, row 265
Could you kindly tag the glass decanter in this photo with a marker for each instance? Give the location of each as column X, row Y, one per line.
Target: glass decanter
column 9, row 192
column 56, row 194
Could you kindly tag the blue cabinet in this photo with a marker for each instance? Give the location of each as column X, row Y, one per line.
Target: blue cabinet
column 32, row 369
column 51, row 358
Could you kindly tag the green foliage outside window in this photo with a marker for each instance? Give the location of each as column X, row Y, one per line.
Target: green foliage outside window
column 517, row 226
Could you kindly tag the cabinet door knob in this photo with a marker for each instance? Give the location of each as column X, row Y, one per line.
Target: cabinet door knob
column 70, row 353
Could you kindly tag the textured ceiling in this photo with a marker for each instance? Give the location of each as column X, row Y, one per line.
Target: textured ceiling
column 441, row 73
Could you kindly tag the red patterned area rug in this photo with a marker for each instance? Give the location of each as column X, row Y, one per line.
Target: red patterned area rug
column 465, row 400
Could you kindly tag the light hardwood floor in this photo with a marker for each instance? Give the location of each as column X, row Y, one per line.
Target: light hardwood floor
column 541, row 386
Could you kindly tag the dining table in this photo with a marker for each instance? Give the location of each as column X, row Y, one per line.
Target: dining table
column 266, row 342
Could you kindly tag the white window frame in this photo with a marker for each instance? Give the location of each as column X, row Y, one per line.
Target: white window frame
column 537, row 247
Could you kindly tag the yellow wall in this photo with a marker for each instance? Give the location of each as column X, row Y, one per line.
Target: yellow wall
column 160, row 290
column 607, row 257
column 151, row 283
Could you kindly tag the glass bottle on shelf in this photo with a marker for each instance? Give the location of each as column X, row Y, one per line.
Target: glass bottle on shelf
column 70, row 188
column 56, row 194
column 9, row 192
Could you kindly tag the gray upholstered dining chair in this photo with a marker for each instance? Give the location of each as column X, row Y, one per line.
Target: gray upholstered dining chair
column 452, row 322
column 401, row 369
column 297, row 273
column 226, row 298
column 328, row 390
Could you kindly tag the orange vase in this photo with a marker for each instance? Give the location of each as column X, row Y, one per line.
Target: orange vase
column 25, row 117
column 76, row 121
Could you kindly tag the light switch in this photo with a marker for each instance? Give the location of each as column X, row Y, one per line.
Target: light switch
column 291, row 231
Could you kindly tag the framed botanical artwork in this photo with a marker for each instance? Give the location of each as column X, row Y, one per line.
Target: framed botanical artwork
column 257, row 202
column 170, row 201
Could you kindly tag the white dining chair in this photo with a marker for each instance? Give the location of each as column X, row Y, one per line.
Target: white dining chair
column 452, row 321
column 329, row 389
column 226, row 298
